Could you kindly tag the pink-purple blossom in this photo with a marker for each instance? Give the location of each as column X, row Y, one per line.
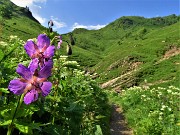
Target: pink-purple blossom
column 59, row 42
column 33, row 79
column 32, row 82
column 41, row 50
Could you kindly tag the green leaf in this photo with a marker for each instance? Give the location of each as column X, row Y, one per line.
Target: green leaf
column 1, row 54
column 35, row 126
column 98, row 130
column 27, row 127
column 3, row 123
column 6, row 114
column 23, row 128
column 100, row 117
column 4, row 90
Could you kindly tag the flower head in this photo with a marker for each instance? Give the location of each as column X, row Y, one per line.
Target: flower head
column 59, row 42
column 42, row 50
column 32, row 82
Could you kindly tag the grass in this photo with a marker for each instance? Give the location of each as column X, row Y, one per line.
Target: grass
column 150, row 111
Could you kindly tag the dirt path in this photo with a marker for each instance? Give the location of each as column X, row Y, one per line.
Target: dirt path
column 118, row 126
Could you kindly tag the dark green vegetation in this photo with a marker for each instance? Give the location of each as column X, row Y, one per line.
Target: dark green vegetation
column 131, row 51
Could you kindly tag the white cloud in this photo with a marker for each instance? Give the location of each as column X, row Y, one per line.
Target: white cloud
column 27, row 2
column 57, row 23
column 40, row 19
column 89, row 27
column 22, row 4
column 34, row 8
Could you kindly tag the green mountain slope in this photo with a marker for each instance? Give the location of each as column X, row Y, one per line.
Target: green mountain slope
column 132, row 51
column 18, row 21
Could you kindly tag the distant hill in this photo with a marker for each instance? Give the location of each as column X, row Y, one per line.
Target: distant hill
column 130, row 51
column 18, row 21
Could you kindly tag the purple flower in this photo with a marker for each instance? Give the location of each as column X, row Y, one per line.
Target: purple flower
column 32, row 82
column 59, row 42
column 42, row 50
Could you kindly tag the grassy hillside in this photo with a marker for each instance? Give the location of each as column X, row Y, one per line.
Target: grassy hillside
column 134, row 50
column 18, row 21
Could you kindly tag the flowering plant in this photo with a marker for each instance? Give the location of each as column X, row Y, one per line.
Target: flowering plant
column 51, row 87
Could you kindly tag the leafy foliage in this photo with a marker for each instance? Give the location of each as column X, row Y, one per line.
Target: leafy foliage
column 151, row 111
column 76, row 105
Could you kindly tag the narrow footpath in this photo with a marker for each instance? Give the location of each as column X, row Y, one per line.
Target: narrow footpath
column 118, row 125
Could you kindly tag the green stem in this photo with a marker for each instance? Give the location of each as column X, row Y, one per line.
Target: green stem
column 9, row 52
column 56, row 89
column 53, row 40
column 11, row 127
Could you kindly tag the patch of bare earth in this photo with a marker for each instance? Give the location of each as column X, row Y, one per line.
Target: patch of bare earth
column 125, row 78
column 118, row 125
column 170, row 53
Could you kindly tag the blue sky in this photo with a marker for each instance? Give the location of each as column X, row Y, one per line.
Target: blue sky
column 94, row 14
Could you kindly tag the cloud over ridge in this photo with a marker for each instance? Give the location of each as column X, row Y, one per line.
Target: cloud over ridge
column 89, row 27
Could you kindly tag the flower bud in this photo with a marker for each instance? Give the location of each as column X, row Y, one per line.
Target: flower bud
column 71, row 39
column 69, row 50
column 50, row 23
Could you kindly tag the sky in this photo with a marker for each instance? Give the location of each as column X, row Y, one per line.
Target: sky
column 94, row 14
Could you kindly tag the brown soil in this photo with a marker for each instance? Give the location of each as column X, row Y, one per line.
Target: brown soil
column 170, row 53
column 118, row 125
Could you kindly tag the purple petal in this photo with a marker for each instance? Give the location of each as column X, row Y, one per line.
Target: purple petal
column 42, row 41
column 31, row 96
column 24, row 72
column 60, row 37
column 46, row 88
column 29, row 47
column 33, row 65
column 45, row 72
column 16, row 86
column 59, row 44
column 49, row 63
column 49, row 52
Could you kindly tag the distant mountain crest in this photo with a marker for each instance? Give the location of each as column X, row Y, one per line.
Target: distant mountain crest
column 128, row 21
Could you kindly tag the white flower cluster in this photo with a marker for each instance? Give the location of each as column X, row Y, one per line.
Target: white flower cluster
column 2, row 43
column 14, row 38
column 70, row 64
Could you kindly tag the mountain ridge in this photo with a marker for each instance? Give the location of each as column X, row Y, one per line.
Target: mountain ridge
column 130, row 44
